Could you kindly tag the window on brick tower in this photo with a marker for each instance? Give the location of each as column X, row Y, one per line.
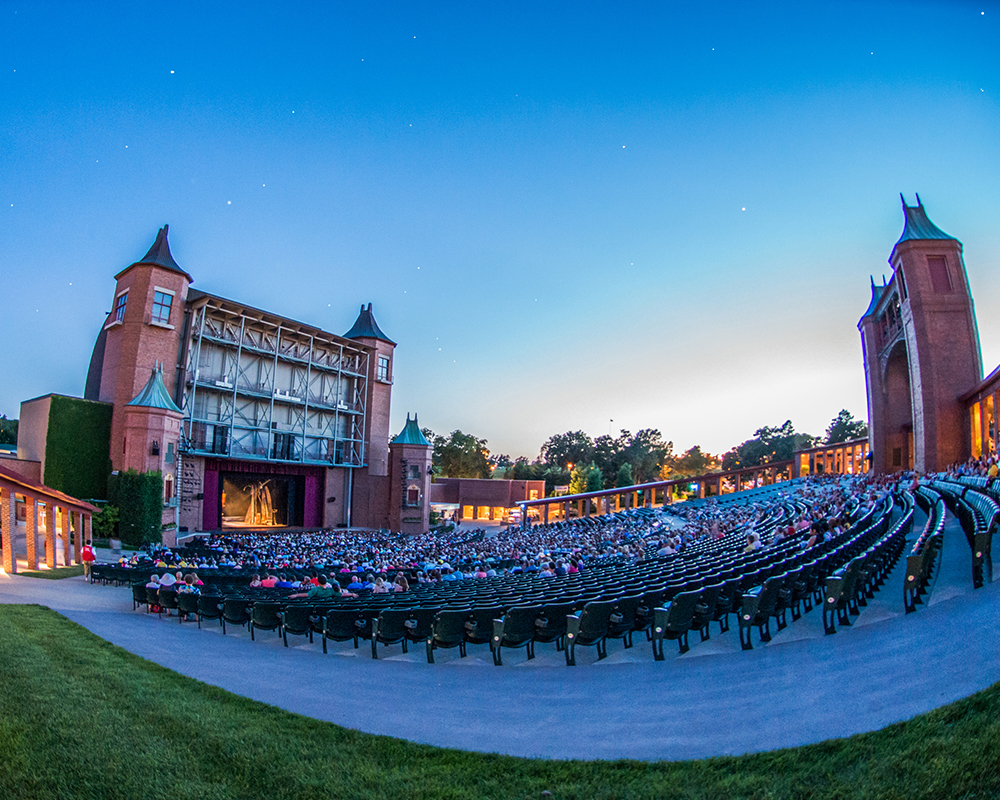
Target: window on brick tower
column 161, row 307
column 414, row 471
column 120, row 306
column 940, row 278
column 413, row 496
column 382, row 372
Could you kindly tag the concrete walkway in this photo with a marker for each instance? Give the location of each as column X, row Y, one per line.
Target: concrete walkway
column 801, row 688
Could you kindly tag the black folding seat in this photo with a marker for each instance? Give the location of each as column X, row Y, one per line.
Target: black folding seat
column 479, row 625
column 705, row 610
column 515, row 629
column 621, row 623
column 166, row 599
column 550, row 624
column 235, row 611
column 343, row 624
column 296, row 619
column 265, row 616
column 448, row 630
column 389, row 627
column 674, row 621
column 590, row 629
column 187, row 603
column 758, row 606
column 209, row 607
column 139, row 596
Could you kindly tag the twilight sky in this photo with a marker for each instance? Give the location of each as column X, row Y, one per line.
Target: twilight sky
column 661, row 214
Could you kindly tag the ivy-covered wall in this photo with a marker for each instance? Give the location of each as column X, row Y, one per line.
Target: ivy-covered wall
column 139, row 498
column 77, row 447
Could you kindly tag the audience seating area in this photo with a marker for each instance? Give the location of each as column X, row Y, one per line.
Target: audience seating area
column 613, row 598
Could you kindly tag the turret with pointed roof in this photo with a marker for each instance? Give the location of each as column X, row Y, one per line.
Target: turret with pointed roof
column 365, row 327
column 411, row 433
column 918, row 225
column 154, row 394
column 412, row 458
column 159, row 255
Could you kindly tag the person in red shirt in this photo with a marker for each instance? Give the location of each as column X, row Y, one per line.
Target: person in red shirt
column 88, row 558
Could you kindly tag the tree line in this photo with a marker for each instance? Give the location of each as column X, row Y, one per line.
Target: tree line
column 575, row 460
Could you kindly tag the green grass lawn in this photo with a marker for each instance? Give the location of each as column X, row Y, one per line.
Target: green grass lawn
column 53, row 574
column 82, row 718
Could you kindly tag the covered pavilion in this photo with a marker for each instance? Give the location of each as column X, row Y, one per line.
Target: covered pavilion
column 44, row 510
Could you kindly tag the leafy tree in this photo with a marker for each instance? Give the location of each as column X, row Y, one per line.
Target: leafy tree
column 565, row 449
column 8, row 430
column 624, row 476
column 586, row 478
column 460, row 455
column 767, row 445
column 693, row 463
column 609, row 454
column 845, row 427
column 105, row 522
column 501, row 461
column 647, row 453
column 595, row 480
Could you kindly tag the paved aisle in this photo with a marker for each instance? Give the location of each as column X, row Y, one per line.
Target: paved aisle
column 717, row 702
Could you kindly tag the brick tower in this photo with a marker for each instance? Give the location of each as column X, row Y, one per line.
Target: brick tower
column 410, row 455
column 921, row 350
column 371, row 486
column 142, row 331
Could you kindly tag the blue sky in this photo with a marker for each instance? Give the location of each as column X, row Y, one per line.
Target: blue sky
column 569, row 216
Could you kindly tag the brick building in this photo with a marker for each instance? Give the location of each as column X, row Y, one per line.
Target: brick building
column 921, row 351
column 253, row 418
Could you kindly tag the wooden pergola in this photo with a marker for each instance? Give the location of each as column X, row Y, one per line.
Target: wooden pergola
column 47, row 508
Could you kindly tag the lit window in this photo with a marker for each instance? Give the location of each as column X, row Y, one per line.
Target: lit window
column 120, row 307
column 382, row 373
column 161, row 307
column 414, row 472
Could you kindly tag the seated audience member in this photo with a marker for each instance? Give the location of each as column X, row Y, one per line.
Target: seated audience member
column 167, row 581
column 321, row 591
column 269, row 582
column 255, row 581
column 400, row 584
column 380, row 586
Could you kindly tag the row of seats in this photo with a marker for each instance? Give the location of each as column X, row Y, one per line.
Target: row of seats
column 978, row 515
column 849, row 588
column 922, row 559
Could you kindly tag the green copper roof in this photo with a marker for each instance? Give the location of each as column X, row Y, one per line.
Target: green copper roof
column 154, row 394
column 411, row 433
column 877, row 292
column 918, row 225
column 365, row 327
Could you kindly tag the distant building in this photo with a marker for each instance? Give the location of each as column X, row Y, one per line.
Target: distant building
column 482, row 499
